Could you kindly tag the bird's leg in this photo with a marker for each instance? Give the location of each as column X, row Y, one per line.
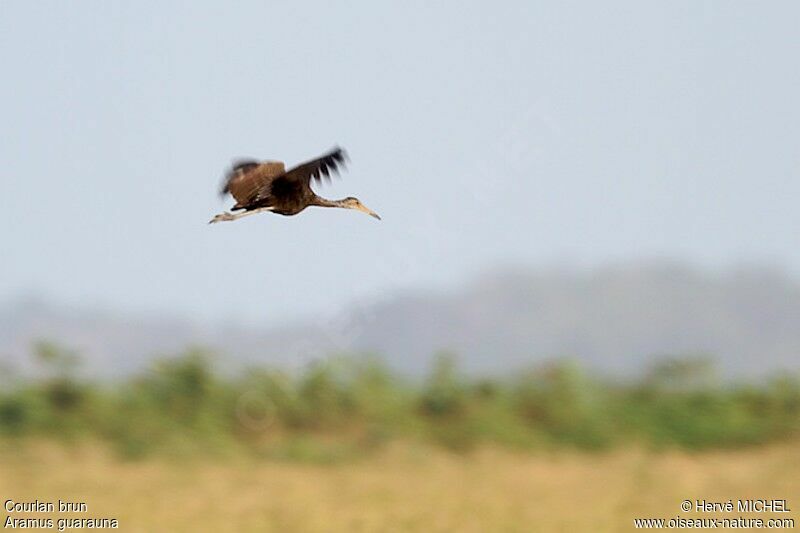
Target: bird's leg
column 226, row 216
column 222, row 217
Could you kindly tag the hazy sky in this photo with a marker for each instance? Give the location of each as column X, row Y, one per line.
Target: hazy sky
column 483, row 133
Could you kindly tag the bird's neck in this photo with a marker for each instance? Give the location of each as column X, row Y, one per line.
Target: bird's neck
column 324, row 202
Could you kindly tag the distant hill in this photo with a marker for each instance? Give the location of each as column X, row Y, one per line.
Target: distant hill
column 615, row 319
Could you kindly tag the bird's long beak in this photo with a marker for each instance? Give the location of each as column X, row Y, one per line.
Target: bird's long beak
column 368, row 211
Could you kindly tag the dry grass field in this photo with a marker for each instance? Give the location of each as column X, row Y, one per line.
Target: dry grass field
column 401, row 489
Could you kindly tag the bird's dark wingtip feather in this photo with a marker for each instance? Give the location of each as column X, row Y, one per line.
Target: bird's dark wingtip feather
column 225, row 186
column 339, row 154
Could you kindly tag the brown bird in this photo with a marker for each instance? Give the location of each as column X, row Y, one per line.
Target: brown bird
column 268, row 186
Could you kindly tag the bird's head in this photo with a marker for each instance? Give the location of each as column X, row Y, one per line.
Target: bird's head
column 355, row 203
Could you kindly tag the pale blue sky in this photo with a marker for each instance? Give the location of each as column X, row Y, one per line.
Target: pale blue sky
column 483, row 133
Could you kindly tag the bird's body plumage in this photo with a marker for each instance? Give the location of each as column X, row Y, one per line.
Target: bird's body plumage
column 268, row 186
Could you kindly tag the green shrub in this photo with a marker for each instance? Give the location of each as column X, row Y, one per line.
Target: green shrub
column 346, row 406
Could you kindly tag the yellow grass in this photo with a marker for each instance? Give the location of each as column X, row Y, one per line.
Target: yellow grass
column 402, row 489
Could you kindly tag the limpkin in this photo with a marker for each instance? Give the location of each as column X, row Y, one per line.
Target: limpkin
column 268, row 186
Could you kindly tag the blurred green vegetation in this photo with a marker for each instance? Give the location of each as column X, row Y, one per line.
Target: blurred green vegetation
column 342, row 407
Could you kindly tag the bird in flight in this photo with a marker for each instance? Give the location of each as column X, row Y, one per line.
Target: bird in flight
column 268, row 186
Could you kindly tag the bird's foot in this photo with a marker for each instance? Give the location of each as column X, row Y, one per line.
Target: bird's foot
column 222, row 217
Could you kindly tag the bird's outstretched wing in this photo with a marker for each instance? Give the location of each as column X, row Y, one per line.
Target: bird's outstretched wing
column 249, row 179
column 238, row 169
column 318, row 168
